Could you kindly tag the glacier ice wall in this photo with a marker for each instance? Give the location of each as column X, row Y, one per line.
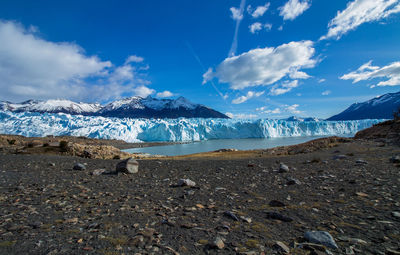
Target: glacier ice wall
column 146, row 130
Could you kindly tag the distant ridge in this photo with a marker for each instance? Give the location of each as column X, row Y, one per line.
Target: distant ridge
column 381, row 107
column 132, row 107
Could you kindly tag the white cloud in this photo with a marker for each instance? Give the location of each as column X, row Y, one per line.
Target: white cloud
column 165, row 94
column 134, row 59
column 265, row 66
column 294, row 8
column 284, row 88
column 240, row 116
column 143, row 91
column 321, row 80
column 33, row 68
column 326, row 93
column 358, row 12
column 274, row 111
column 255, row 27
column 259, row 11
column 293, row 109
column 236, row 14
column 248, row 96
column 391, row 74
column 268, row 26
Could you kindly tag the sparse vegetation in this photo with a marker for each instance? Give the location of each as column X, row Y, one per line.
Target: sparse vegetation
column 64, row 146
column 11, row 141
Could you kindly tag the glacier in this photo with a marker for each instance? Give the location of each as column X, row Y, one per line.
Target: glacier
column 172, row 130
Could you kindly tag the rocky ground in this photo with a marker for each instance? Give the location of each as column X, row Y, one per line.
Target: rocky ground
column 263, row 202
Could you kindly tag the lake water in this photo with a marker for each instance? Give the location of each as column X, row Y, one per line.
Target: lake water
column 212, row 145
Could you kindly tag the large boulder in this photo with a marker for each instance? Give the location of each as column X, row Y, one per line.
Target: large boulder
column 128, row 166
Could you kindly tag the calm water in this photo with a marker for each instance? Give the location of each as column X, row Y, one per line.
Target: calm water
column 212, row 145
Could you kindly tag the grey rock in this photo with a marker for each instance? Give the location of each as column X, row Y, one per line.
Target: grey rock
column 321, row 237
column 231, row 215
column 278, row 216
column 281, row 247
column 361, row 162
column 186, row 182
column 336, row 157
column 128, row 166
column 396, row 214
column 395, row 159
column 98, row 172
column 283, row 168
column 218, row 243
column 79, row 166
column 293, row 181
column 276, row 203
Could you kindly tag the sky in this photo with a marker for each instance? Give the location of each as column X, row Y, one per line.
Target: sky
column 245, row 58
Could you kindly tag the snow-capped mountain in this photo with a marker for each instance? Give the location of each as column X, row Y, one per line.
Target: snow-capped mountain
column 137, row 107
column 381, row 107
column 51, row 106
column 133, row 107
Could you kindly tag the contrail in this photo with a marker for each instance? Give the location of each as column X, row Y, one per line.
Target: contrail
column 204, row 69
column 232, row 52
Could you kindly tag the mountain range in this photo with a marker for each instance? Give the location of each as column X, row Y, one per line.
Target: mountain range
column 381, row 107
column 132, row 107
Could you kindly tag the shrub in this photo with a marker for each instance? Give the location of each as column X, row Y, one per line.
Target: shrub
column 64, row 146
column 11, row 142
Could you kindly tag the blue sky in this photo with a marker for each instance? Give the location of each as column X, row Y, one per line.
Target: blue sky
column 268, row 59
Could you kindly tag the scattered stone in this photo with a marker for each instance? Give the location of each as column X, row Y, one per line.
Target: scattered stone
column 361, row 162
column 392, row 252
column 218, row 243
column 98, row 172
column 361, row 194
column 128, row 166
column 283, row 168
column 396, row 214
column 246, row 219
column 293, row 181
column 186, row 182
column 278, row 216
column 321, row 237
column 231, row 215
column 337, row 157
column 281, row 247
column 52, row 164
column 395, row 159
column 79, row 166
column 276, row 203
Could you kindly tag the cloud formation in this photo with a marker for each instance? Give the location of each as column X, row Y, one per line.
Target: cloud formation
column 326, row 93
column 284, row 88
column 390, row 74
column 259, row 11
column 237, row 15
column 248, row 96
column 294, row 8
column 240, row 116
column 165, row 94
column 257, row 26
column 358, row 12
column 31, row 67
column 265, row 66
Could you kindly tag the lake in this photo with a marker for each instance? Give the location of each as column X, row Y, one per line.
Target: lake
column 212, row 145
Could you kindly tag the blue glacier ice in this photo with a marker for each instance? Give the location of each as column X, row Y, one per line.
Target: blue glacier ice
column 146, row 130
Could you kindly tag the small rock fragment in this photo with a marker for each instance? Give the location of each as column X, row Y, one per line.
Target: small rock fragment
column 392, row 252
column 321, row 237
column 186, row 182
column 395, row 159
column 336, row 157
column 361, row 162
column 128, row 166
column 245, row 219
column 98, row 172
column 278, row 216
column 396, row 214
column 276, row 203
column 79, row 166
column 218, row 243
column 231, row 215
column 283, row 168
column 293, row 181
column 281, row 247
